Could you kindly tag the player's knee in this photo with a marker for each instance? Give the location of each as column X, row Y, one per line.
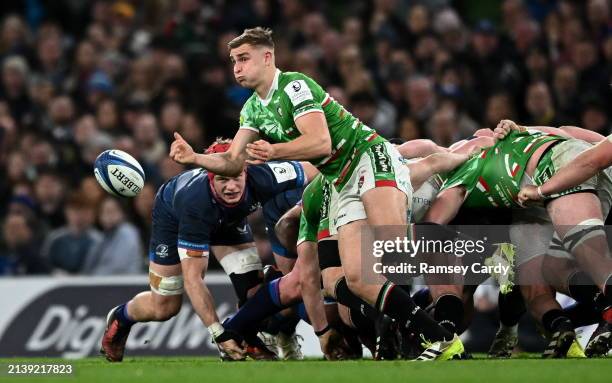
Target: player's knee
column 167, row 308
column 354, row 282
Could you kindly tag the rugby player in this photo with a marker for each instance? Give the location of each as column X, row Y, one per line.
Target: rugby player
column 584, row 166
column 493, row 180
column 195, row 212
column 300, row 121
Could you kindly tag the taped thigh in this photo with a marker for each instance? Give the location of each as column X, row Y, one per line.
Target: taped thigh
column 241, row 261
column 166, row 285
column 582, row 232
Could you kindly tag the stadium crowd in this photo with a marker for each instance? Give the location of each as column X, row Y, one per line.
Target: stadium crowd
column 78, row 78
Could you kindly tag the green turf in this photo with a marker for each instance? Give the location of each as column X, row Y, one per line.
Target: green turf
column 204, row 370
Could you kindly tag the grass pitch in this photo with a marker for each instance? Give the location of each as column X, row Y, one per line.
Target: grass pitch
column 203, row 370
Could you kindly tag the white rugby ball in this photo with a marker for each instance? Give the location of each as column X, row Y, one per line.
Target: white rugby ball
column 119, row 173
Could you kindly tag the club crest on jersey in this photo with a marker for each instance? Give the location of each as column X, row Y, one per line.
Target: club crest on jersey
column 296, row 86
column 161, row 251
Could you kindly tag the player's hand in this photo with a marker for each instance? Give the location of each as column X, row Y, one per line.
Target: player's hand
column 334, row 345
column 231, row 349
column 503, row 128
column 181, row 151
column 259, row 152
column 528, row 193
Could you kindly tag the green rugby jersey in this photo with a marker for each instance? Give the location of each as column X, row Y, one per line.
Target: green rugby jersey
column 294, row 94
column 314, row 220
column 493, row 178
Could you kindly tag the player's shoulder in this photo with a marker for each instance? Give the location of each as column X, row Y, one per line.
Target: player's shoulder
column 192, row 186
column 250, row 103
column 275, row 172
column 293, row 81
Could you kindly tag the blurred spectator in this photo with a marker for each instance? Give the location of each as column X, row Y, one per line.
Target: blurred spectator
column 50, row 191
column 376, row 113
column 499, row 107
column 15, row 73
column 143, row 207
column 595, row 117
column 539, row 104
column 67, row 247
column 421, row 99
column 120, row 250
column 128, row 74
column 21, row 253
column 148, row 139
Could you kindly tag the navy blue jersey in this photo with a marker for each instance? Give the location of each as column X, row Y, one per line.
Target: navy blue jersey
column 187, row 214
column 273, row 210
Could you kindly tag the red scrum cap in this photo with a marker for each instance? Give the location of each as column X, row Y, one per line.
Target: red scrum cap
column 219, row 146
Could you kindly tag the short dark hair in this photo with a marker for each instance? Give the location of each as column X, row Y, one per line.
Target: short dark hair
column 257, row 36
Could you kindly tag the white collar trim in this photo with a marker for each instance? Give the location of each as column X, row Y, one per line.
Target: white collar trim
column 274, row 87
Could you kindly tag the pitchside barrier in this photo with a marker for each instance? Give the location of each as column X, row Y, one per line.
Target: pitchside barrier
column 65, row 317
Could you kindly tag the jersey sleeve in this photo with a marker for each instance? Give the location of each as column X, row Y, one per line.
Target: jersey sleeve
column 273, row 178
column 610, row 138
column 308, row 230
column 304, row 95
column 247, row 117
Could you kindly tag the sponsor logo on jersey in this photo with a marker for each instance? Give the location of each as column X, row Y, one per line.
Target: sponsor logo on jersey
column 243, row 229
column 325, row 200
column 161, row 251
column 283, row 171
column 382, row 161
column 298, row 92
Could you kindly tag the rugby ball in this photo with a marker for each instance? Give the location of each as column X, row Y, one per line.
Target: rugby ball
column 119, row 173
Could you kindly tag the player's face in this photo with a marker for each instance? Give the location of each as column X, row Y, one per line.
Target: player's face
column 230, row 189
column 250, row 63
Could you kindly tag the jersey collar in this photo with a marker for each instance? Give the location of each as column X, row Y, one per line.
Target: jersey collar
column 274, row 87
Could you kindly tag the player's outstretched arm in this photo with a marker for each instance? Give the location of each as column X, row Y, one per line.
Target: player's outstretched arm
column 585, row 166
column 424, row 168
column 419, row 148
column 332, row 343
column 228, row 164
column 315, row 142
column 204, row 305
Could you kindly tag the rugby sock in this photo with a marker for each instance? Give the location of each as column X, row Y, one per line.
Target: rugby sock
column 511, row 307
column 243, row 283
column 582, row 314
column 122, row 315
column 284, row 321
column 607, row 298
column 552, row 319
column 363, row 324
column 581, row 287
column 346, row 297
column 398, row 305
column 264, row 303
column 449, row 312
column 422, row 298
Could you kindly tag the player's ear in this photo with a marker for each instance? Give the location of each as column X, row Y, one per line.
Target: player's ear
column 268, row 57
